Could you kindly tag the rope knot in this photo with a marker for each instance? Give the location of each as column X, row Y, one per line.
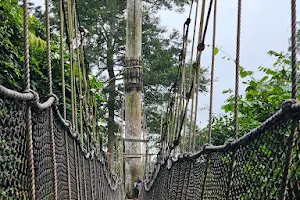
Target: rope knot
column 68, row 123
column 55, row 98
column 176, row 142
column 188, row 21
column 201, row 46
column 204, row 146
column 36, row 97
column 286, row 105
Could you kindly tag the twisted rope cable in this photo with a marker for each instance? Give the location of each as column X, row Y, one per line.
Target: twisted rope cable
column 173, row 118
column 212, row 71
column 63, row 82
column 48, row 45
column 26, row 46
column 51, row 91
column 294, row 49
column 191, row 71
column 70, row 42
column 237, row 74
column 182, row 85
column 237, row 69
column 64, row 91
column 80, row 78
column 182, row 75
column 199, row 54
column 182, row 91
column 86, row 91
column 28, row 113
column 207, row 20
column 74, row 69
column 295, row 123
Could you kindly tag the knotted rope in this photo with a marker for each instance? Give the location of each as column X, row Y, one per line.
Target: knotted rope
column 28, row 112
column 212, row 71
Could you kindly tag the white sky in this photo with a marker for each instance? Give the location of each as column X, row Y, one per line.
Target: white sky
column 265, row 26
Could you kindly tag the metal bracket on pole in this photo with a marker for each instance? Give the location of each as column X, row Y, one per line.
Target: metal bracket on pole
column 133, row 74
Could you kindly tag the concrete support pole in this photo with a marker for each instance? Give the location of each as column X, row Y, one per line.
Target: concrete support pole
column 133, row 85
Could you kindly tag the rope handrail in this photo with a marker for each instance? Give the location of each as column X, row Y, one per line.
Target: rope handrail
column 32, row 99
column 290, row 109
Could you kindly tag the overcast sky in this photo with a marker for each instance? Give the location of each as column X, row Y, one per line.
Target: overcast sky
column 265, row 26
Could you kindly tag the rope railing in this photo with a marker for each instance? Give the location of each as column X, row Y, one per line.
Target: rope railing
column 43, row 155
column 263, row 164
column 256, row 173
column 12, row 128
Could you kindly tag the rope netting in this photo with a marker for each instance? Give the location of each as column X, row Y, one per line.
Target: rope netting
column 42, row 155
column 248, row 168
column 263, row 164
column 89, row 174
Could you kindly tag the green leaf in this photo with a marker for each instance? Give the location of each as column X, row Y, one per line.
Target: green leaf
column 216, row 51
column 243, row 74
column 264, row 78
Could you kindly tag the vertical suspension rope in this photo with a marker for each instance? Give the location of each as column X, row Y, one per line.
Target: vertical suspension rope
column 192, row 79
column 173, row 116
column 212, row 71
column 293, row 48
column 182, row 80
column 74, row 69
column 295, row 123
column 51, row 91
column 28, row 113
column 237, row 69
column 236, row 96
column 196, row 81
column 79, row 76
column 26, row 46
column 70, row 42
column 182, row 85
column 191, row 74
column 63, row 83
column 48, row 46
column 64, row 91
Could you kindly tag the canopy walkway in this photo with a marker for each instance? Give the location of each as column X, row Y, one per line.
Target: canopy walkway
column 44, row 156
column 62, row 167
column 252, row 167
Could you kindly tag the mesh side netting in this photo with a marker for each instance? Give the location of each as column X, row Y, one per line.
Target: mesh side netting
column 13, row 156
column 42, row 154
column 86, row 174
column 249, row 168
column 61, row 160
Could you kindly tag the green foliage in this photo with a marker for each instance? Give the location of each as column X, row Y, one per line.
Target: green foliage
column 12, row 75
column 10, row 44
column 262, row 98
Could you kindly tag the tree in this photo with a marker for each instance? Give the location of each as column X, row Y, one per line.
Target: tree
column 262, row 98
column 105, row 20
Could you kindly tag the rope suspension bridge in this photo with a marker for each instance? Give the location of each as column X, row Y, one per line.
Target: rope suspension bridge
column 51, row 159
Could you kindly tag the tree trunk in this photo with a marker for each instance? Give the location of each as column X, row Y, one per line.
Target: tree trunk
column 133, row 163
column 111, row 104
